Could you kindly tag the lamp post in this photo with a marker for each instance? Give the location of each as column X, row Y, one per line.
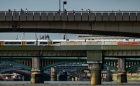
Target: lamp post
column 64, row 2
column 60, row 5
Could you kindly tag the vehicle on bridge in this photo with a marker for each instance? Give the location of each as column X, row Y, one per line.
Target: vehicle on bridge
column 67, row 42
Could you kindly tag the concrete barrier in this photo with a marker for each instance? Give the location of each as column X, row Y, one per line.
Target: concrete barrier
column 91, row 16
column 125, row 16
column 132, row 16
column 57, row 17
column 112, row 17
column 118, row 16
column 2, row 16
column 98, row 17
column 8, row 16
column 43, row 17
column 64, row 16
column 138, row 16
column 50, row 16
column 77, row 16
column 70, row 16
column 22, row 16
column 29, row 16
column 105, row 16
column 15, row 16
column 36, row 16
column 85, row 16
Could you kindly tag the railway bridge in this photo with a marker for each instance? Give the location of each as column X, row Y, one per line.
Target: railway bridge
column 93, row 54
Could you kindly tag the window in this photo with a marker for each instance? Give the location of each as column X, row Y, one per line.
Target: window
column 12, row 42
column 43, row 42
column 29, row 42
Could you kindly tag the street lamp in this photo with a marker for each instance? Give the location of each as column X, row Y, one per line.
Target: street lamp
column 59, row 5
column 64, row 2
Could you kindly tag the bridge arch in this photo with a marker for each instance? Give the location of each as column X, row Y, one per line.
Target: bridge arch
column 16, row 63
column 111, row 67
column 51, row 65
column 132, row 67
column 58, row 63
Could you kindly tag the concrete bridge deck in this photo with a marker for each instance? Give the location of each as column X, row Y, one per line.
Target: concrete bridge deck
column 70, row 16
column 124, row 23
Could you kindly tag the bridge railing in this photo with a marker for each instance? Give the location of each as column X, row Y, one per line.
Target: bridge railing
column 69, row 12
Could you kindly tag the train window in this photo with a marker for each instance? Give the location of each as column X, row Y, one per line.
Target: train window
column 12, row 42
column 29, row 42
column 43, row 42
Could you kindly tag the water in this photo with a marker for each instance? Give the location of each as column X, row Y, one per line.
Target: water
column 63, row 83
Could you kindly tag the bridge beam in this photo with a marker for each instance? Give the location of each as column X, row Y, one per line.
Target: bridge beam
column 94, row 60
column 53, row 74
column 121, row 76
column 36, row 74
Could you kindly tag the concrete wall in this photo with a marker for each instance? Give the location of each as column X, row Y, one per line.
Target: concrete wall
column 15, row 16
column 50, row 16
column 70, row 16
column 57, row 17
column 77, row 16
column 130, row 77
column 125, row 16
column 132, row 16
column 64, row 16
column 29, row 16
column 138, row 16
column 105, row 16
column 98, row 17
column 8, row 16
column 85, row 16
column 36, row 16
column 2, row 16
column 43, row 16
column 91, row 16
column 118, row 16
column 22, row 16
column 112, row 17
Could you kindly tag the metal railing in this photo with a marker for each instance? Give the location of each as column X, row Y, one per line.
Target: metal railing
column 74, row 11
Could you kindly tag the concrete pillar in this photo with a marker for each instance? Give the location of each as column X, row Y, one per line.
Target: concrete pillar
column 108, row 75
column 58, row 77
column 95, row 69
column 53, row 74
column 36, row 74
column 121, row 76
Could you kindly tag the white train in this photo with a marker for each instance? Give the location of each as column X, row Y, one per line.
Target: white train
column 53, row 42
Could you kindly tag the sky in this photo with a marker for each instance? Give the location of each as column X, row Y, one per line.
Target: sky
column 53, row 5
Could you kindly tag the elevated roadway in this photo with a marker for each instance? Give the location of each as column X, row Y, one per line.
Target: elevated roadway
column 124, row 23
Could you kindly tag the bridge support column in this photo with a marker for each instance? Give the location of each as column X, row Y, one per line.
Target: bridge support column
column 108, row 75
column 36, row 74
column 94, row 60
column 53, row 74
column 121, row 76
column 95, row 77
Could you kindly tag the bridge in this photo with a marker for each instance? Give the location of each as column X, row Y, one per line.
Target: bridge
column 94, row 54
column 112, row 63
column 120, row 23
